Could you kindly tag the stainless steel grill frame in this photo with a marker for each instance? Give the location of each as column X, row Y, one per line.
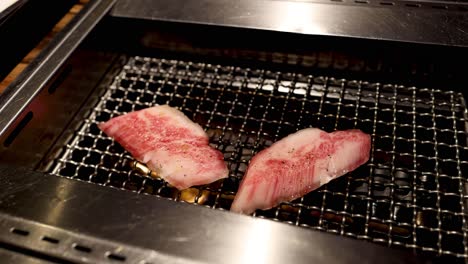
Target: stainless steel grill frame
column 410, row 194
column 407, row 92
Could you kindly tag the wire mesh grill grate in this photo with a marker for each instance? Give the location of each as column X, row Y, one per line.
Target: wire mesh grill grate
column 412, row 192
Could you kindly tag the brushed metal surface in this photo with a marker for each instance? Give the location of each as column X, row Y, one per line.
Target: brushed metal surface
column 11, row 257
column 179, row 232
column 433, row 26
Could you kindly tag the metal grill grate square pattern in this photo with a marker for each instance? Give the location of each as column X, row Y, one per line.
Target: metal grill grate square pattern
column 412, row 193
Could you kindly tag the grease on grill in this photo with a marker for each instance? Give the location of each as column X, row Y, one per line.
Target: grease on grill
column 412, row 193
column 143, row 169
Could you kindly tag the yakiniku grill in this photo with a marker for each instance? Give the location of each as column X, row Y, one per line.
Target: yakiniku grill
column 249, row 73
